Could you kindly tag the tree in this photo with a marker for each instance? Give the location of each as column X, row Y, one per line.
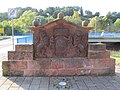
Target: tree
column 20, row 23
column 94, row 22
column 117, row 22
column 20, row 10
column 68, row 11
column 88, row 13
column 7, row 27
column 76, row 14
column 77, row 20
column 112, row 16
column 118, row 15
column 50, row 10
column 81, row 11
column 3, row 16
column 55, row 13
column 30, row 8
column 97, row 14
column 25, row 19
column 105, row 22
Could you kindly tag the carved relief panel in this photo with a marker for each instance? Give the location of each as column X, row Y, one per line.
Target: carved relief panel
column 61, row 43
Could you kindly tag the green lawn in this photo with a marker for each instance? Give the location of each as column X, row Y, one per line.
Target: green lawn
column 116, row 55
column 4, row 37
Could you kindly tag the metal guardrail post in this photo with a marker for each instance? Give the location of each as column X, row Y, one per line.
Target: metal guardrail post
column 17, row 40
column 25, row 40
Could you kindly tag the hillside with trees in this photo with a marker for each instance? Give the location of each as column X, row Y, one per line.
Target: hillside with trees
column 75, row 14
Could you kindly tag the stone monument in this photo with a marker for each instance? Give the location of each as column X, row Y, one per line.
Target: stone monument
column 60, row 48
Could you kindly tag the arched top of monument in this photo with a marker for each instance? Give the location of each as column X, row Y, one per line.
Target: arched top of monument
column 60, row 22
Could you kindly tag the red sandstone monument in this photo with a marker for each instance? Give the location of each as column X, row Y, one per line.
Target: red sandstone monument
column 60, row 48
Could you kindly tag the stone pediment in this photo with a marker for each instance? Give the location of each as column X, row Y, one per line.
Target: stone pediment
column 62, row 23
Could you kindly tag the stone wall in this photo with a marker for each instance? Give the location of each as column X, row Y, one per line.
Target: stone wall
column 100, row 58
column 22, row 52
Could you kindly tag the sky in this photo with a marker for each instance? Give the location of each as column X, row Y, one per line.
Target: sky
column 102, row 6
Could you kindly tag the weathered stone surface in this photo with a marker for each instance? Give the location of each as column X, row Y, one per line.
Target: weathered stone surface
column 13, row 68
column 73, row 63
column 101, row 63
column 20, row 65
column 6, row 68
column 61, row 39
column 67, row 72
column 97, row 47
column 16, row 73
column 83, row 71
column 102, row 71
column 41, row 64
column 60, row 67
column 29, row 72
column 42, row 72
column 56, row 63
column 24, row 47
column 20, row 55
column 98, row 54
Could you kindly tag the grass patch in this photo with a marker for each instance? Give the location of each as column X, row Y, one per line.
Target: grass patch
column 116, row 55
column 4, row 37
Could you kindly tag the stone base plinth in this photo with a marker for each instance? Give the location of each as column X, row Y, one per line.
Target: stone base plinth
column 21, row 63
column 59, row 67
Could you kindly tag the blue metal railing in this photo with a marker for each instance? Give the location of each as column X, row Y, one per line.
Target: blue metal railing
column 29, row 38
column 104, row 34
column 26, row 39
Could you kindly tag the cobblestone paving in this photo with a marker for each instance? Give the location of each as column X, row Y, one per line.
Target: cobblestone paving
column 46, row 83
